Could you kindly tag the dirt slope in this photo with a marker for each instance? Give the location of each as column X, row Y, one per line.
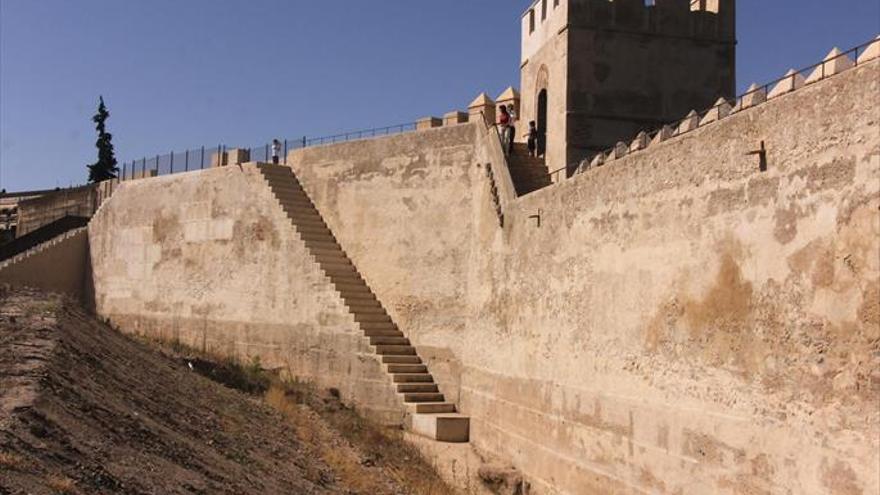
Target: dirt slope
column 84, row 409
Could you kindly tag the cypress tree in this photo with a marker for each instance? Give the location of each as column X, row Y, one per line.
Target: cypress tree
column 105, row 168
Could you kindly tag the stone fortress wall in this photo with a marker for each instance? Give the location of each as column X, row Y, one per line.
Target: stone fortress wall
column 674, row 321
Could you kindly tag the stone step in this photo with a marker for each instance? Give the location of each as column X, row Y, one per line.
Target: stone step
column 317, row 236
column 401, row 360
column 291, row 201
column 412, row 377
column 298, row 209
column 377, row 325
column 445, row 427
column 346, row 278
column 407, row 368
column 383, row 333
column 275, row 170
column 422, row 397
column 354, row 289
column 395, row 350
column 330, row 254
column 421, row 388
column 311, row 243
column 378, row 340
column 290, row 193
column 315, row 220
column 362, row 307
column 333, row 262
column 431, row 407
column 353, row 298
column 341, row 271
column 305, row 228
column 364, row 317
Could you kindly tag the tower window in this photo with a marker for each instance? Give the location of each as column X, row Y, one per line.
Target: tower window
column 543, row 10
column 532, row 21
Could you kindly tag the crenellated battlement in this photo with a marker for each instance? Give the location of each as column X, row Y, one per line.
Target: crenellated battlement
column 834, row 63
column 698, row 19
column 701, row 19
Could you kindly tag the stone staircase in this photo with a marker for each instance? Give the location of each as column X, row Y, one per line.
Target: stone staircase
column 528, row 174
column 41, row 247
column 429, row 414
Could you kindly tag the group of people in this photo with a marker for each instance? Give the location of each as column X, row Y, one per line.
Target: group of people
column 507, row 130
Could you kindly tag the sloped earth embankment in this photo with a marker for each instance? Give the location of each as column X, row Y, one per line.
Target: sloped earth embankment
column 84, row 409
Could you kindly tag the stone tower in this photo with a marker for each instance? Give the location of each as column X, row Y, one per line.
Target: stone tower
column 595, row 72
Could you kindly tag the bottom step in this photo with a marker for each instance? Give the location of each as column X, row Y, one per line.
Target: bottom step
column 452, row 428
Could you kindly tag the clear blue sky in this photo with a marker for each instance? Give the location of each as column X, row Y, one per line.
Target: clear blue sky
column 177, row 74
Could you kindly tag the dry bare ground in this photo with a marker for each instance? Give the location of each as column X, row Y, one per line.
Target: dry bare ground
column 84, row 409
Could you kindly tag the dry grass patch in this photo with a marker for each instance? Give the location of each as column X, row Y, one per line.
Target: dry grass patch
column 12, row 461
column 61, row 484
column 367, row 458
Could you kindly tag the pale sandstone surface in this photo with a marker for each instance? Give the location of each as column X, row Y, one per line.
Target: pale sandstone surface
column 679, row 323
column 211, row 259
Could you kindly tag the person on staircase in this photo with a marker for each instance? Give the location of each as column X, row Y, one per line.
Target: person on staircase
column 532, row 139
column 276, row 149
column 511, row 128
column 503, row 125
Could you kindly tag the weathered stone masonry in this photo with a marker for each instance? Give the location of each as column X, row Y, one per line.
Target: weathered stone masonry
column 678, row 321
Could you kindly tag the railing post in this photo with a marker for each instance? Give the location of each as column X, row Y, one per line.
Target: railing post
column 171, row 165
column 285, row 151
column 304, row 141
column 123, row 170
column 267, row 152
column 202, row 164
column 186, row 161
column 157, row 164
column 144, row 167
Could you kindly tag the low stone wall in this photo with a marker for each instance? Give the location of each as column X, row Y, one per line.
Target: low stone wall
column 59, row 265
column 37, row 212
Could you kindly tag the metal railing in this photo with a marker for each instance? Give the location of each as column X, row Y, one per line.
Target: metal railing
column 209, row 156
column 754, row 97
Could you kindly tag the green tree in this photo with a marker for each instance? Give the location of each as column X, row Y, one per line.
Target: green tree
column 105, row 168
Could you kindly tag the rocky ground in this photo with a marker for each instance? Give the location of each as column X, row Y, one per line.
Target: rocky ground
column 84, row 409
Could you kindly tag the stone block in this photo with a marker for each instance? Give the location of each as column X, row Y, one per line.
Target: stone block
column 871, row 52
column 720, row 110
column 791, row 81
column 663, row 134
column 451, row 427
column 835, row 63
column 455, row 118
column 237, row 156
column 428, row 123
column 620, row 150
column 482, row 107
column 640, row 142
column 510, row 96
column 218, row 159
column 144, row 174
column 754, row 95
column 689, row 123
column 598, row 160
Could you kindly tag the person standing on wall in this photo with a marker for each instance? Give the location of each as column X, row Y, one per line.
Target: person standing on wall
column 503, row 126
column 511, row 128
column 276, row 149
